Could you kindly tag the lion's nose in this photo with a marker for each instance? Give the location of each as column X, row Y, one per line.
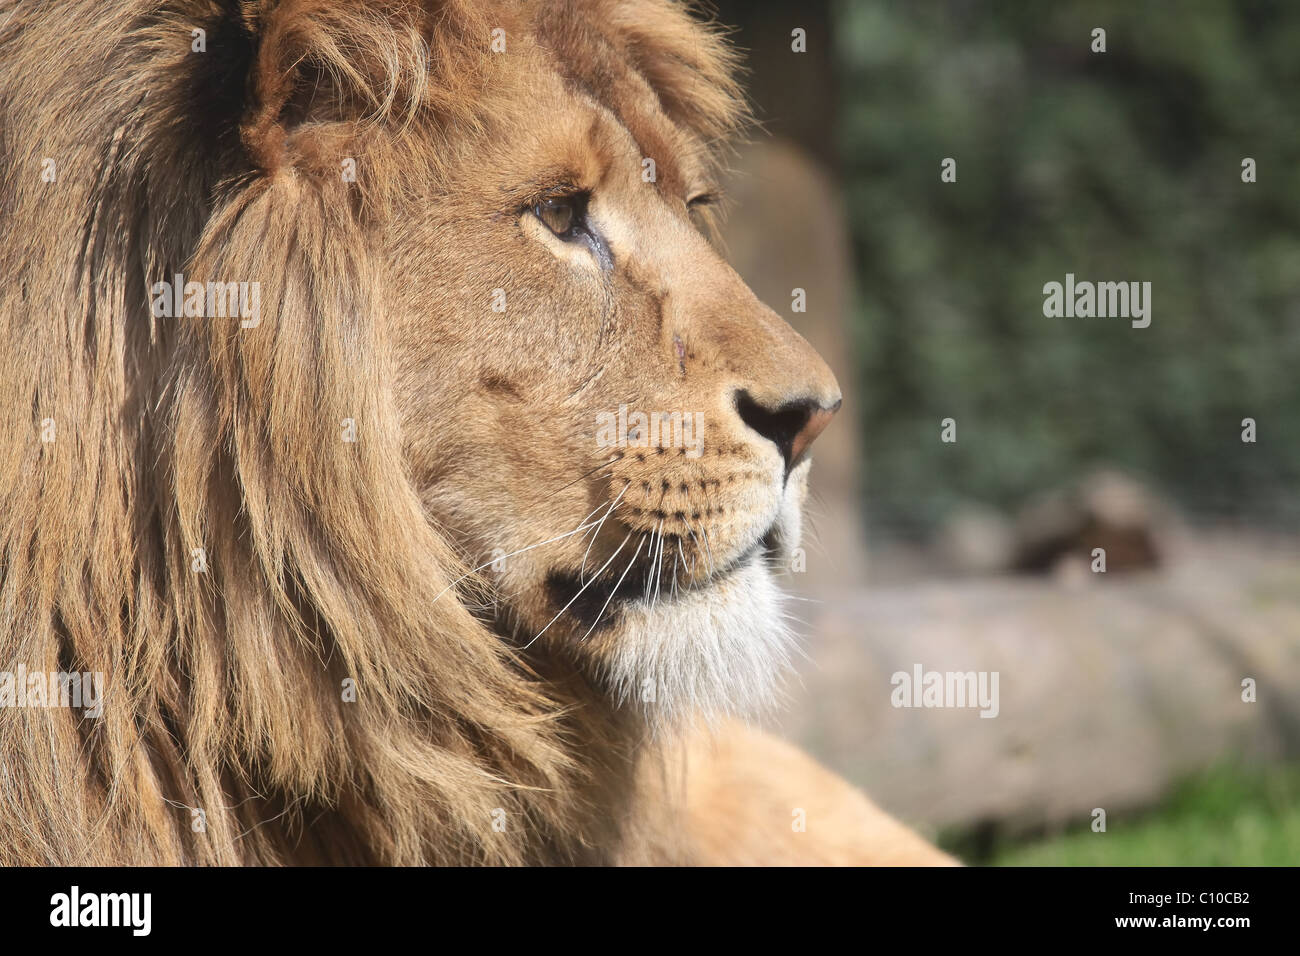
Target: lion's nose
column 791, row 427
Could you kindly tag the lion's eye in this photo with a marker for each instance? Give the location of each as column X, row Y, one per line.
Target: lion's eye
column 563, row 215
column 697, row 207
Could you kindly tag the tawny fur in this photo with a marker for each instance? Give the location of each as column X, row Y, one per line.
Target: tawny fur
column 325, row 560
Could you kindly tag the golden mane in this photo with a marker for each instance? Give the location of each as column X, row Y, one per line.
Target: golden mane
column 178, row 512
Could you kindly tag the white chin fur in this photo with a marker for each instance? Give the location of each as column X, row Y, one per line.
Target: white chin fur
column 715, row 652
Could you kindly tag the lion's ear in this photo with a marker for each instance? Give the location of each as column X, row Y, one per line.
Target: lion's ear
column 688, row 63
column 321, row 67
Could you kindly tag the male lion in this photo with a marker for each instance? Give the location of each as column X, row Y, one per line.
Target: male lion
column 389, row 437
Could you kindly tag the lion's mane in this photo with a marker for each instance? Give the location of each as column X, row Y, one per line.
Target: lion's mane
column 195, row 530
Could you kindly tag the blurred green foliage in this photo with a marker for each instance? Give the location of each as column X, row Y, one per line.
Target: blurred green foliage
column 1115, row 166
column 1228, row 817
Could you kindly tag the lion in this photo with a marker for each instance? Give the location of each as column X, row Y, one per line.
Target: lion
column 391, row 438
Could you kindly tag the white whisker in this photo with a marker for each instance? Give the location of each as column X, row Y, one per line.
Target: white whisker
column 559, row 537
column 579, row 594
column 614, row 590
column 596, row 534
column 659, row 564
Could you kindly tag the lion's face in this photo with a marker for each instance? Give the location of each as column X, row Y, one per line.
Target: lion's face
column 595, row 405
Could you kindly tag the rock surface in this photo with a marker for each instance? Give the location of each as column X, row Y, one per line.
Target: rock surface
column 1109, row 689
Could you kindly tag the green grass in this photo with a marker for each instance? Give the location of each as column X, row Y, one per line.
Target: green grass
column 1227, row 817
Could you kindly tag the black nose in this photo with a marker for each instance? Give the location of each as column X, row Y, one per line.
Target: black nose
column 791, row 427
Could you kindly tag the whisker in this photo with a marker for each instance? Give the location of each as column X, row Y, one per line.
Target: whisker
column 579, row 594
column 695, row 555
column 708, row 550
column 650, row 569
column 659, row 564
column 570, row 484
column 614, row 590
column 502, row 557
column 596, row 533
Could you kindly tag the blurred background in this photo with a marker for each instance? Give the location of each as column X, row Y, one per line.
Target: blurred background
column 1166, row 690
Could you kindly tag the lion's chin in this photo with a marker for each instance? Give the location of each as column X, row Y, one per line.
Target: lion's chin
column 710, row 653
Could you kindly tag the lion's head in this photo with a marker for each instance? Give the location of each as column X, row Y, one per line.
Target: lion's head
column 478, row 475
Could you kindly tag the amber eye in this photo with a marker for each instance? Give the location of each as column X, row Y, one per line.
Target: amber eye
column 563, row 215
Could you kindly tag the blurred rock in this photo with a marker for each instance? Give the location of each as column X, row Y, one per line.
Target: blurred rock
column 1108, row 695
column 1106, row 510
